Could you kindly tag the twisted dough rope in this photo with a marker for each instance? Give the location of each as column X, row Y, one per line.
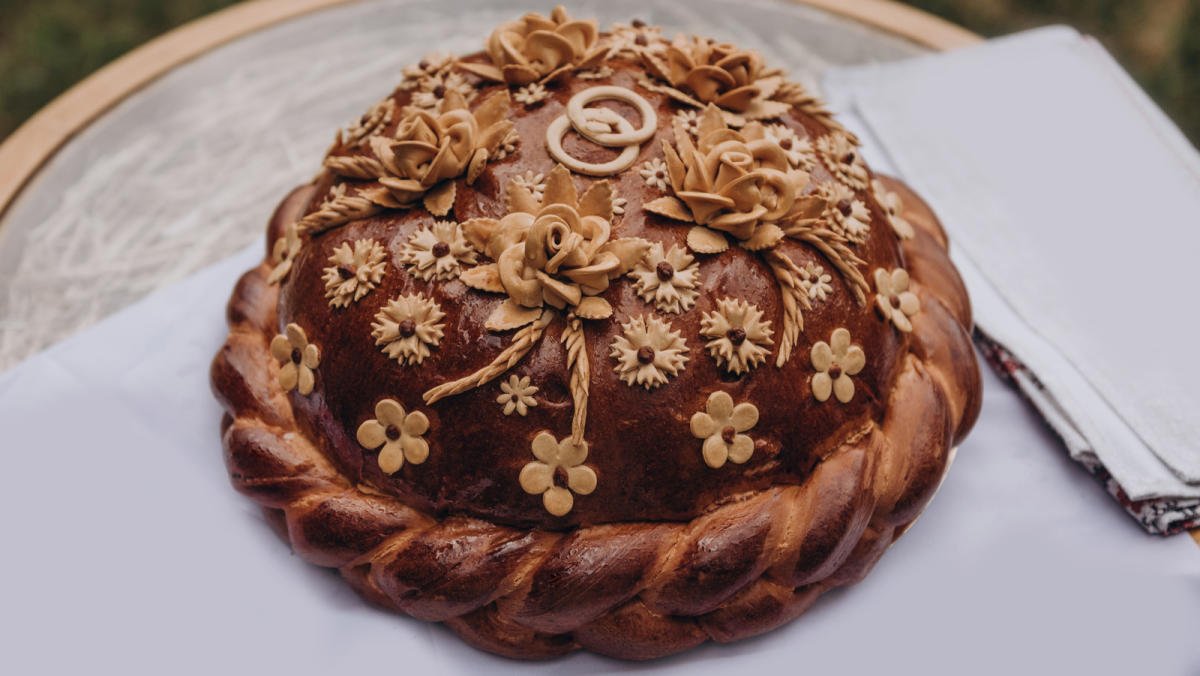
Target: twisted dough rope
column 632, row 590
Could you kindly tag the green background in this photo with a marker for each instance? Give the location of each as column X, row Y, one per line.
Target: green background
column 48, row 45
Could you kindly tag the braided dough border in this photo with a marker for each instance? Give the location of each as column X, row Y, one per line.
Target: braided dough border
column 628, row 590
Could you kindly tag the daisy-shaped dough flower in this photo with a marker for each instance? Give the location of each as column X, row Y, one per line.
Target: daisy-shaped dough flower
column 721, row 425
column 634, row 37
column 844, row 161
column 894, row 207
column 531, row 94
column 835, row 362
column 654, row 172
column 431, row 90
column 893, row 299
column 396, row 434
column 557, row 473
column 648, row 352
column 433, row 63
column 507, row 146
column 847, row 214
column 738, row 335
column 354, row 271
column 407, row 327
column 689, row 121
column 517, row 395
column 815, row 282
column 297, row 359
column 439, row 250
column 668, row 280
column 799, row 151
column 534, row 183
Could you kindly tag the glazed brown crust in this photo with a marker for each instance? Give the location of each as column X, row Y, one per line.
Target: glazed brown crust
column 632, row 589
column 640, row 441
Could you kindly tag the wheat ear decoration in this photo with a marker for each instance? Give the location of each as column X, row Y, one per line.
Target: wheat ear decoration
column 834, row 248
column 797, row 96
column 355, row 166
column 523, row 342
column 793, row 299
column 581, row 374
column 338, row 212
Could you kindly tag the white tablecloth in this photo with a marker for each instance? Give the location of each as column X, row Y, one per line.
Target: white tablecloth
column 127, row 549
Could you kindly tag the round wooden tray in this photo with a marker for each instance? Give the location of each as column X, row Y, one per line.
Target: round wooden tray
column 173, row 156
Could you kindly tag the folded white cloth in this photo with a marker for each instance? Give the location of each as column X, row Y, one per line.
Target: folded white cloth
column 122, row 523
column 1072, row 204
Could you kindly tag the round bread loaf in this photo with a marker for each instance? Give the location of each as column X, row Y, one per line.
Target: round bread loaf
column 597, row 340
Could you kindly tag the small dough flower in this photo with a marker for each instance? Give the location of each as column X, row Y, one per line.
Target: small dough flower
column 618, row 206
column 297, row 358
column 534, row 183
column 835, row 362
column 432, row 90
column 557, row 473
column 815, row 282
column 844, row 161
column 689, row 120
column 721, row 425
column 654, row 171
column 894, row 207
column 517, row 395
column 893, row 299
column 648, row 352
column 799, row 151
column 667, row 280
column 407, row 327
column 847, row 214
column 437, row 251
column 433, row 63
column 531, row 94
column 508, row 145
column 738, row 334
column 354, row 272
column 398, row 434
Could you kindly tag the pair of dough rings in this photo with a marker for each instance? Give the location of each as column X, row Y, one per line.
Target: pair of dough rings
column 596, row 125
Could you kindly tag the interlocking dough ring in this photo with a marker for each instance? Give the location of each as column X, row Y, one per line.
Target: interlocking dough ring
column 575, row 111
column 595, row 124
column 557, row 129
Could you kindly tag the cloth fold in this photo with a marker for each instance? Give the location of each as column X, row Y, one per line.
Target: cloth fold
column 1068, row 196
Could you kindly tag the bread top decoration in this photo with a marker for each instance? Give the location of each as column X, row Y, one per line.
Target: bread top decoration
column 586, row 277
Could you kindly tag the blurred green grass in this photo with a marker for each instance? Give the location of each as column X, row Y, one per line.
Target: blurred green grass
column 48, row 45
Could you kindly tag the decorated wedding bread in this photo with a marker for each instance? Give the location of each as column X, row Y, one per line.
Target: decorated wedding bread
column 599, row 340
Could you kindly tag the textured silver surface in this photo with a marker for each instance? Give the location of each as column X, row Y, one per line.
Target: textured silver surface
column 187, row 170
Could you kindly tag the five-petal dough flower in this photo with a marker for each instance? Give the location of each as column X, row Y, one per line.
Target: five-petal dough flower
column 398, row 433
column 835, row 362
column 557, row 473
column 297, row 358
column 893, row 299
column 721, row 426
